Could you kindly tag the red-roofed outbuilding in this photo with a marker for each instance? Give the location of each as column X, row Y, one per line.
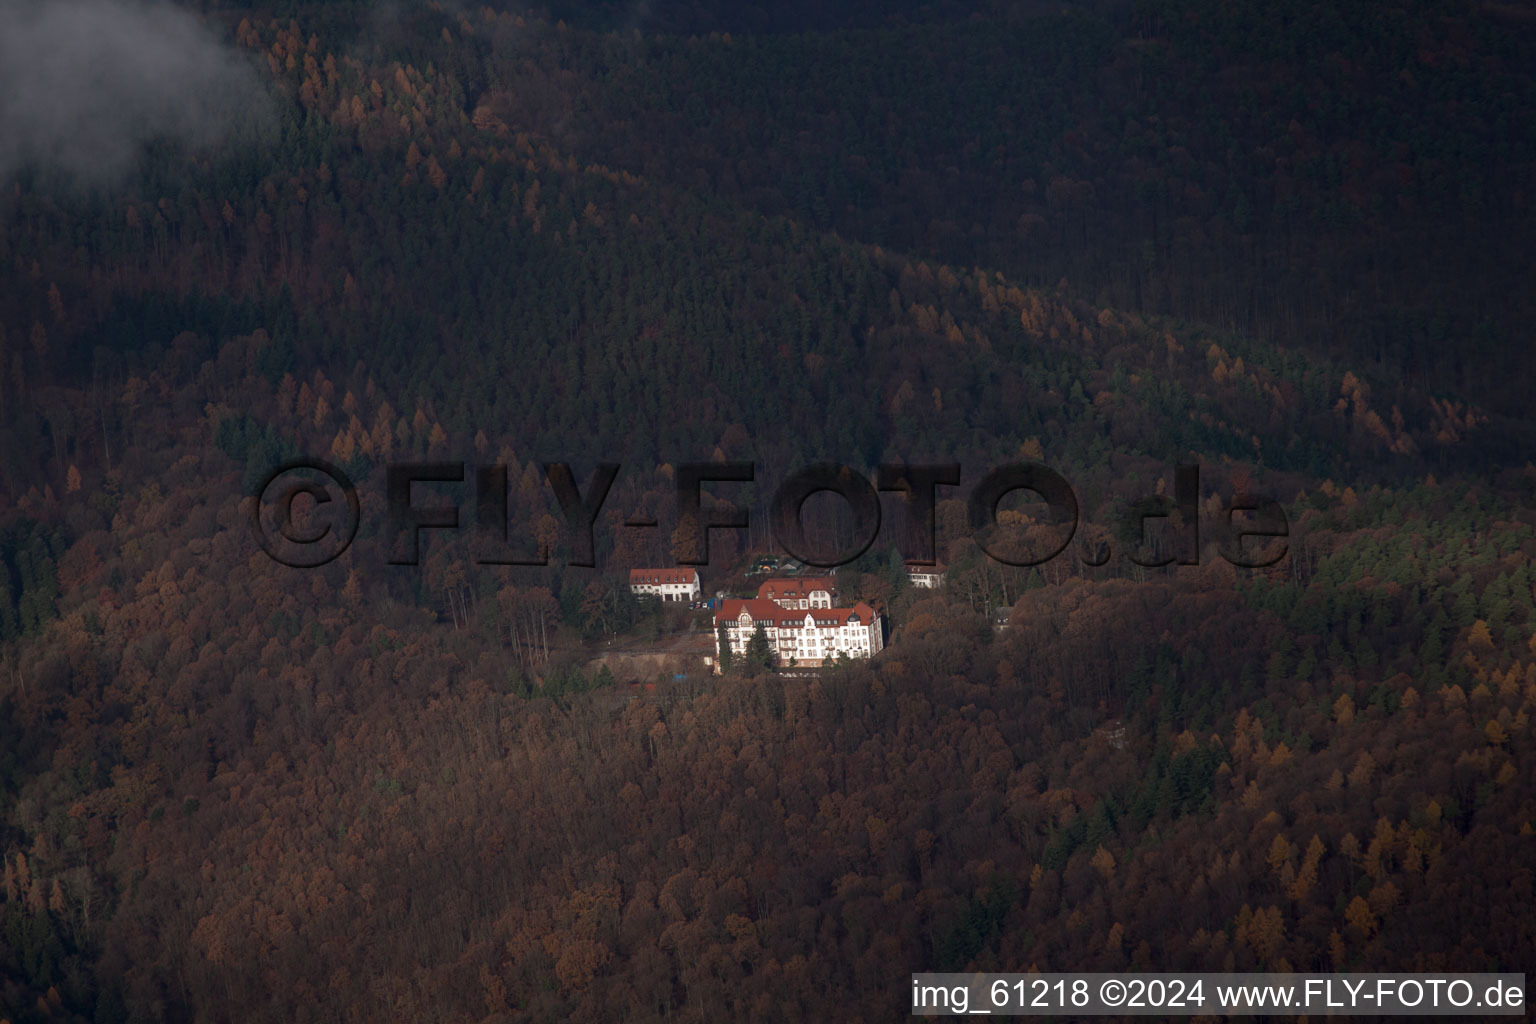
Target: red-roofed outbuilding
column 667, row 584
column 799, row 593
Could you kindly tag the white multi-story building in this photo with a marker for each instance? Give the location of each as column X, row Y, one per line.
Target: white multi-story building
column 807, row 637
column 667, row 584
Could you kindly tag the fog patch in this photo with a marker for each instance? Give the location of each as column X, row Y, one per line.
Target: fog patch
column 86, row 84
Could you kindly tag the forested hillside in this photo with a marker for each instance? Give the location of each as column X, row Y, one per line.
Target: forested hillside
column 1292, row 245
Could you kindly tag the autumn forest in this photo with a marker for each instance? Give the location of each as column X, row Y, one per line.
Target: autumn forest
column 1287, row 242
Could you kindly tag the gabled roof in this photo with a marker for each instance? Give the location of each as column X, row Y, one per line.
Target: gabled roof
column 760, row 608
column 657, row 577
column 770, row 613
column 793, row 590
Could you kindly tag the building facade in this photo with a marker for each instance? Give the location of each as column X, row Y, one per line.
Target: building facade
column 926, row 575
column 802, row 627
column 667, row 584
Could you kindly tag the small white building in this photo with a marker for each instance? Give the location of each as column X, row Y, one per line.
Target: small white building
column 667, row 584
column 926, row 575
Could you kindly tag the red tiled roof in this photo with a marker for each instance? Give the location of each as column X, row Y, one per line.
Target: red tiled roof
column 656, row 577
column 770, row 613
column 792, row 590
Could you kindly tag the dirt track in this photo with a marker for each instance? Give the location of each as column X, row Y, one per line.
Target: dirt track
column 666, row 655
